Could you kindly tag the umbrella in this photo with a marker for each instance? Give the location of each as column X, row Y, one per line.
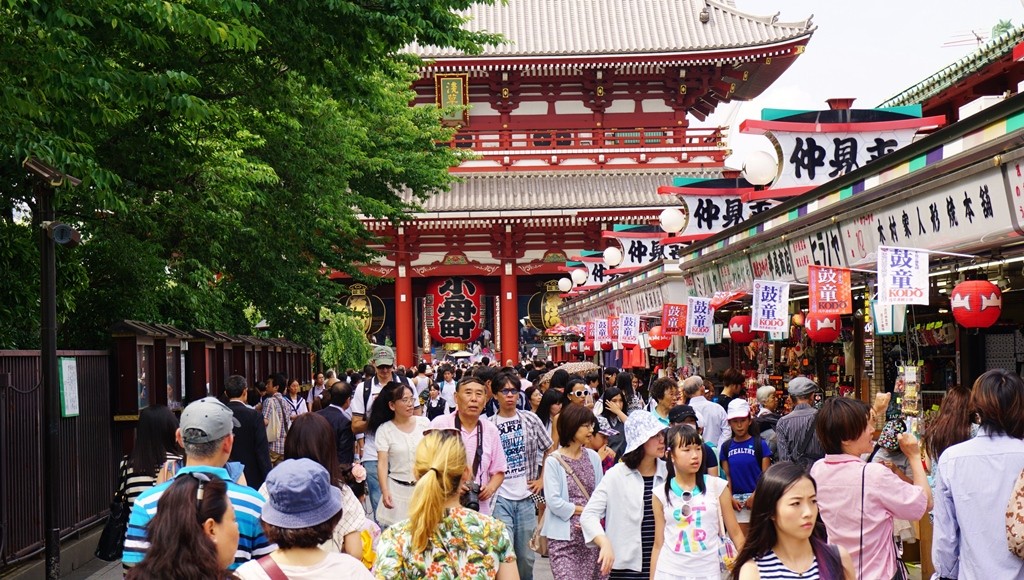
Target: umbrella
column 573, row 368
column 461, row 354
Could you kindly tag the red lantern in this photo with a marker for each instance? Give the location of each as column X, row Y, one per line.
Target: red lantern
column 606, row 345
column 739, row 329
column 455, row 311
column 572, row 347
column 657, row 340
column 823, row 327
column 588, row 348
column 629, row 345
column 976, row 303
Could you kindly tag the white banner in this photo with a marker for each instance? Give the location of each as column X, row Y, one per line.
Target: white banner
column 888, row 318
column 601, row 330
column 902, row 276
column 699, row 317
column 716, row 336
column 771, row 306
column 629, row 328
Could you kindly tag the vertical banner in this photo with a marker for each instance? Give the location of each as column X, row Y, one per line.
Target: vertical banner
column 699, row 317
column 716, row 336
column 829, row 290
column 601, row 330
column 589, row 330
column 673, row 319
column 613, row 328
column 771, row 306
column 902, row 276
column 629, row 329
column 882, row 315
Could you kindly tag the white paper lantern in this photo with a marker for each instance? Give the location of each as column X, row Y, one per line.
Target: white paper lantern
column 672, row 220
column 612, row 256
column 564, row 284
column 760, row 168
column 579, row 276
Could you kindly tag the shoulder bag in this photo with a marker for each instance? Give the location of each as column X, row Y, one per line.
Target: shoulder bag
column 901, row 569
column 1015, row 518
column 274, row 422
column 271, row 568
column 111, row 544
column 727, row 551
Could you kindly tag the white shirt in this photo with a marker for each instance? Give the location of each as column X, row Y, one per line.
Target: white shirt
column 400, row 447
column 358, row 408
column 335, row 565
column 448, row 394
column 716, row 426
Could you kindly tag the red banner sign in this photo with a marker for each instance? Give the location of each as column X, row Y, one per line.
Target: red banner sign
column 829, row 290
column 673, row 319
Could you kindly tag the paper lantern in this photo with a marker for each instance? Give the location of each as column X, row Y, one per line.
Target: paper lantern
column 588, row 348
column 612, row 256
column 672, row 220
column 976, row 303
column 579, row 276
column 823, row 327
column 564, row 284
column 455, row 308
column 739, row 329
column 606, row 345
column 572, row 347
column 657, row 340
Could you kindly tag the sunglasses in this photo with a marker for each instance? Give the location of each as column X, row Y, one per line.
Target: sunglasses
column 203, row 479
column 384, row 367
column 580, row 394
column 510, row 391
column 686, row 510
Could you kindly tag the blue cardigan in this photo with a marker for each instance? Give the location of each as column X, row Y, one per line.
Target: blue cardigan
column 556, row 495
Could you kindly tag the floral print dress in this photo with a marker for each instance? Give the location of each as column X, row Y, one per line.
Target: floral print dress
column 466, row 545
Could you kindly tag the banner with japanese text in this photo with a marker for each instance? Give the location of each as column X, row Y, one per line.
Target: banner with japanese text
column 601, row 330
column 902, row 276
column 771, row 306
column 888, row 318
column 829, row 290
column 629, row 328
column 613, row 328
column 589, row 329
column 716, row 335
column 673, row 319
column 699, row 317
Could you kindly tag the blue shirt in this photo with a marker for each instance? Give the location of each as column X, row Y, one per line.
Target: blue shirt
column 248, row 504
column 975, row 480
column 744, row 470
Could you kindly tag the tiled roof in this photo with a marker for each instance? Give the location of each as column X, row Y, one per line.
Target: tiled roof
column 611, row 27
column 552, row 191
column 988, row 53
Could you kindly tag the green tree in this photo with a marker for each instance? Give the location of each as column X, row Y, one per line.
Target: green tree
column 344, row 344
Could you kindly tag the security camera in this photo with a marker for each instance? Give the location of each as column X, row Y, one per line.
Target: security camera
column 63, row 234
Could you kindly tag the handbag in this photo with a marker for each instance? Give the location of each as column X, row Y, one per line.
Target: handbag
column 901, row 568
column 111, row 545
column 539, row 543
column 274, row 423
column 1015, row 518
column 727, row 551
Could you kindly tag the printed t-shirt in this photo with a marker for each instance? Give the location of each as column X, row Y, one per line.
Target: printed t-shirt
column 510, row 429
column 691, row 542
column 743, row 468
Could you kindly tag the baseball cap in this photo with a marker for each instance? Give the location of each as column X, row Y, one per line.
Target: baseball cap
column 300, row 495
column 680, row 413
column 206, row 420
column 605, row 428
column 802, row 386
column 383, row 355
column 738, row 409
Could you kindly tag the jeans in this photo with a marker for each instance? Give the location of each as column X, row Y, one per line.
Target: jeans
column 372, row 487
column 520, row 517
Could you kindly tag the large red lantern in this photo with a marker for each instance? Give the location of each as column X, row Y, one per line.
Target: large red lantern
column 823, row 327
column 657, row 340
column 588, row 348
column 572, row 347
column 454, row 310
column 606, row 345
column 976, row 303
column 739, row 329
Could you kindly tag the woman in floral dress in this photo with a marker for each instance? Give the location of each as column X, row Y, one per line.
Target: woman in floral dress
column 442, row 540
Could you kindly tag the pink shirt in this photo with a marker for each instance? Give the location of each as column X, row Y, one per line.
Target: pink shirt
column 886, row 496
column 493, row 459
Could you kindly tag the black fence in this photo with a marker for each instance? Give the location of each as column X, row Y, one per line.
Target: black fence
column 86, row 455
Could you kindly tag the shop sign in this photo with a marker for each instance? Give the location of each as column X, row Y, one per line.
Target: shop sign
column 811, row 159
column 821, row 248
column 829, row 290
column 588, row 332
column 629, row 329
column 601, row 330
column 639, row 252
column 673, row 319
column 646, row 302
column 716, row 335
column 770, row 311
column 597, row 274
column 773, row 263
column 735, row 274
column 1014, row 175
column 704, row 282
column 710, row 214
column 902, row 276
column 888, row 318
column 968, row 214
column 699, row 317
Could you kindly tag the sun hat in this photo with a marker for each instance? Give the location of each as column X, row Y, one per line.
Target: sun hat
column 738, row 409
column 802, row 386
column 206, row 420
column 605, row 428
column 641, row 426
column 300, row 495
column 383, row 355
column 680, row 413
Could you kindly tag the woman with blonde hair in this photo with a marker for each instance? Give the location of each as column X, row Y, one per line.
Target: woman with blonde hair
column 442, row 539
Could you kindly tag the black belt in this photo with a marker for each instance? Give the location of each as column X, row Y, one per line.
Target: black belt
column 405, row 483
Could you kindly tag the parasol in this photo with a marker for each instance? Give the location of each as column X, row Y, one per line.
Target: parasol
column 573, row 368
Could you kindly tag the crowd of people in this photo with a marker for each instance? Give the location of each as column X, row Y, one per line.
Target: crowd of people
column 477, row 472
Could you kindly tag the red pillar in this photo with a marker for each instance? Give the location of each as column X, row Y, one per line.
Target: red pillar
column 405, row 337
column 509, row 313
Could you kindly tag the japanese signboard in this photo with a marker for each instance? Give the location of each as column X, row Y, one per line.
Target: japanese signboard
column 601, row 333
column 673, row 319
column 629, row 328
column 735, row 273
column 888, row 318
column 639, row 252
column 829, row 290
column 968, row 214
column 589, row 330
column 820, row 248
column 647, row 301
column 1014, row 174
column 699, row 317
column 772, row 262
column 454, row 306
column 597, row 274
column 715, row 337
column 451, row 92
column 810, row 159
column 902, row 276
column 710, row 214
column 703, row 282
column 770, row 312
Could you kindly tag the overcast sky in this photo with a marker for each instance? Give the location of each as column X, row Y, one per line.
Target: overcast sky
column 869, row 50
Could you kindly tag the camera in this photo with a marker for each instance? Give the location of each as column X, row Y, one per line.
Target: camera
column 471, row 498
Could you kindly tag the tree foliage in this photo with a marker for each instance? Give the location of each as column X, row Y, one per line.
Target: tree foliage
column 344, row 344
column 227, row 150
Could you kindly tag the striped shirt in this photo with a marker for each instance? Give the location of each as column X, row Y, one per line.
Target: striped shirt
column 136, row 482
column 248, row 504
column 771, row 568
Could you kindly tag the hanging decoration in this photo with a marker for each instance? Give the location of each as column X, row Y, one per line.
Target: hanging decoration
column 976, row 303
column 588, row 348
column 823, row 327
column 454, row 310
column 739, row 329
column 657, row 340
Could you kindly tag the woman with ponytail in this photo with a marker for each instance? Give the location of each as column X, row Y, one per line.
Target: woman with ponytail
column 442, row 539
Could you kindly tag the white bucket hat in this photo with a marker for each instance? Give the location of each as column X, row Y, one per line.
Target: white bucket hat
column 641, row 426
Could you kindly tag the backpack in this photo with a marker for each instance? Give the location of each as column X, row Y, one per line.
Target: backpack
column 758, row 452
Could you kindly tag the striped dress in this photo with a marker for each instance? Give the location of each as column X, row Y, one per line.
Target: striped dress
column 138, row 482
column 771, row 568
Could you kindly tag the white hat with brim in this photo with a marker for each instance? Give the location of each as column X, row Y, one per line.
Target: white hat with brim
column 641, row 426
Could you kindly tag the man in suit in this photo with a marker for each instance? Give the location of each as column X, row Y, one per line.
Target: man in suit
column 341, row 423
column 251, row 447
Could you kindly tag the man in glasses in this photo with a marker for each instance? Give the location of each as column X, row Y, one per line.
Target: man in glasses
column 206, row 433
column 483, row 443
column 525, row 441
column 363, row 396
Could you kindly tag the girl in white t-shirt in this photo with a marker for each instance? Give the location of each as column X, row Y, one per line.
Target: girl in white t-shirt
column 688, row 510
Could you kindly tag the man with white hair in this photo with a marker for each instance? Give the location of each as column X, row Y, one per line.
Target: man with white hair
column 716, row 426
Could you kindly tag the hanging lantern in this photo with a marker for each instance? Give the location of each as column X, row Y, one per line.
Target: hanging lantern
column 572, row 347
column 657, row 340
column 455, row 311
column 606, row 345
column 739, row 329
column 976, row 303
column 629, row 345
column 588, row 348
column 823, row 327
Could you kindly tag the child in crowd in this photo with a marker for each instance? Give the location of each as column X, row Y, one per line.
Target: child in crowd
column 743, row 458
